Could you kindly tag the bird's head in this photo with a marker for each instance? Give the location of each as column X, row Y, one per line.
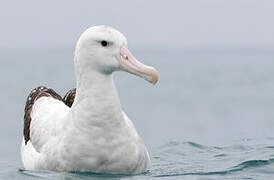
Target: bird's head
column 104, row 49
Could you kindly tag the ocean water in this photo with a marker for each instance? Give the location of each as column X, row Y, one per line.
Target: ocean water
column 245, row 159
column 209, row 117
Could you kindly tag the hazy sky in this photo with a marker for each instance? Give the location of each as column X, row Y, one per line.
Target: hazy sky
column 35, row 23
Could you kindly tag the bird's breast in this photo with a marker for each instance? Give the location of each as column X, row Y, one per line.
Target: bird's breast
column 104, row 150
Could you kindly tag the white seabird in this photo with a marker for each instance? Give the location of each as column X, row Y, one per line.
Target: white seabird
column 94, row 134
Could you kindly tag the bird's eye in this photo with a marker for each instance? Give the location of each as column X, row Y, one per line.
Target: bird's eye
column 104, row 43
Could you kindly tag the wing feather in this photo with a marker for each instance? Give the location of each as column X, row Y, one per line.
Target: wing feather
column 69, row 97
column 48, row 118
column 44, row 121
column 44, row 112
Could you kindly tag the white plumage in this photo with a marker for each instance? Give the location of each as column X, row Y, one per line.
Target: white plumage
column 94, row 135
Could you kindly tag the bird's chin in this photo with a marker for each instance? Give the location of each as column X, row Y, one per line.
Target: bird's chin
column 129, row 63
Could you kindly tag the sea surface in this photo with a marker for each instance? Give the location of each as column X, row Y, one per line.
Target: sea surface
column 245, row 159
column 211, row 116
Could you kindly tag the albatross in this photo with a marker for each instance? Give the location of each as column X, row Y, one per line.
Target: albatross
column 87, row 130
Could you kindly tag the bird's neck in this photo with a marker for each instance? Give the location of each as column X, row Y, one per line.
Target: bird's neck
column 96, row 102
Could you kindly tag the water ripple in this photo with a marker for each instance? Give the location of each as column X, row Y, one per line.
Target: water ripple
column 235, row 160
column 248, row 159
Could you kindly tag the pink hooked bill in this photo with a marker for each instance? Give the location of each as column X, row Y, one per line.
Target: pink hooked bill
column 130, row 64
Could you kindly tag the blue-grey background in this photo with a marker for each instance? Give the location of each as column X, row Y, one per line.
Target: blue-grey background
column 215, row 60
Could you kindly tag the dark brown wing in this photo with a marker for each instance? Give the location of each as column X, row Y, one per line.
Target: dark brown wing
column 33, row 96
column 69, row 97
